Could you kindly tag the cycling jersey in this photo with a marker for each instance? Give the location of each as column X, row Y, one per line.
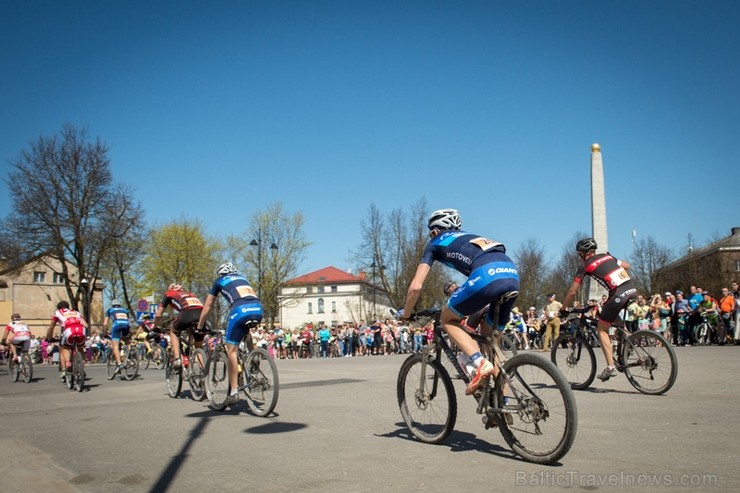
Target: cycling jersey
column 20, row 332
column 73, row 331
column 181, row 301
column 118, row 317
column 245, row 307
column 608, row 271
column 490, row 272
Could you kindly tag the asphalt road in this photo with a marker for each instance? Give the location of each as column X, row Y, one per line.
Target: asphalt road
column 337, row 428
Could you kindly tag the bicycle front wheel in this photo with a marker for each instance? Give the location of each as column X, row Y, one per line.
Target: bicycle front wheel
column 26, row 368
column 650, row 362
column 575, row 357
column 110, row 366
column 217, row 380
column 535, row 409
column 426, row 398
column 15, row 370
column 131, row 364
column 78, row 369
column 197, row 375
column 508, row 346
column 173, row 377
column 261, row 386
column 144, row 358
column 159, row 357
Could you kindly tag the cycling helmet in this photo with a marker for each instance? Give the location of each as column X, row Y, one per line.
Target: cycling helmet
column 445, row 219
column 447, row 287
column 15, row 317
column 225, row 269
column 586, row 245
column 175, row 287
column 115, row 303
column 62, row 305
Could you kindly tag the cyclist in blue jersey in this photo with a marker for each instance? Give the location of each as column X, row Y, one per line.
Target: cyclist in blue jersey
column 490, row 274
column 245, row 308
column 120, row 327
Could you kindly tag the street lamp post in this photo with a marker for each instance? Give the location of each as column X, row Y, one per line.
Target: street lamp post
column 258, row 244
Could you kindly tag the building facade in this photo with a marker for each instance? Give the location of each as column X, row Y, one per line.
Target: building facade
column 330, row 296
column 711, row 267
column 34, row 290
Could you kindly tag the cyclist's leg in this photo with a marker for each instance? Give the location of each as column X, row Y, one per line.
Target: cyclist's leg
column 115, row 338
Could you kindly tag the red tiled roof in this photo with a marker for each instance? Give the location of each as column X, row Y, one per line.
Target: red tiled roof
column 327, row 275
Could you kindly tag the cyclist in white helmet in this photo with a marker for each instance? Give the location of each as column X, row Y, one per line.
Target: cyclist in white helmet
column 490, row 274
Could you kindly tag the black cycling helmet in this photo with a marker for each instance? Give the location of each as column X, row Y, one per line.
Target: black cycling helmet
column 62, row 304
column 586, row 245
column 447, row 287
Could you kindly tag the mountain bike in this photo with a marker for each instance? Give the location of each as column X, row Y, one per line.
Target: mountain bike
column 191, row 368
column 75, row 378
column 529, row 399
column 706, row 332
column 20, row 365
column 645, row 357
column 258, row 376
column 129, row 360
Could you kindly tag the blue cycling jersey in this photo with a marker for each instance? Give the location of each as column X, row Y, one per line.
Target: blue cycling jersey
column 118, row 317
column 235, row 288
column 459, row 250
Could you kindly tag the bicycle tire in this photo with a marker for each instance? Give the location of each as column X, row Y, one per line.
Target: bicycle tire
column 647, row 355
column 173, row 377
column 508, row 346
column 14, row 369
column 429, row 414
column 26, row 368
column 261, row 385
column 567, row 354
column 544, row 419
column 78, row 369
column 131, row 363
column 160, row 357
column 217, row 379
column 110, row 366
column 70, row 374
column 197, row 375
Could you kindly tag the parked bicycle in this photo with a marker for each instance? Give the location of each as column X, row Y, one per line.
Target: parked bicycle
column 21, row 365
column 645, row 357
column 529, row 400
column 258, row 376
column 192, row 366
column 129, row 360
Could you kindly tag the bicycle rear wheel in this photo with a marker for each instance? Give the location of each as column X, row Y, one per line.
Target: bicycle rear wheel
column 159, row 357
column 131, row 363
column 197, row 375
column 15, row 370
column 78, row 369
column 217, row 379
column 508, row 346
column 535, row 409
column 173, row 377
column 262, row 385
column 26, row 368
column 575, row 357
column 426, row 398
column 650, row 362
column 144, row 358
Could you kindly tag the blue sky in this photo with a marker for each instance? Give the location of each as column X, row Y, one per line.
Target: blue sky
column 215, row 109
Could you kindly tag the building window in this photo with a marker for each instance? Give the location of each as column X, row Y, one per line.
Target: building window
column 57, row 278
column 321, row 306
column 310, row 307
column 309, row 289
column 320, row 289
column 334, row 307
column 737, row 265
column 333, row 289
column 39, row 276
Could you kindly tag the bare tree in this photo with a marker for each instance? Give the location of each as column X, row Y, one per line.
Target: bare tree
column 647, row 261
column 532, row 266
column 561, row 274
column 66, row 206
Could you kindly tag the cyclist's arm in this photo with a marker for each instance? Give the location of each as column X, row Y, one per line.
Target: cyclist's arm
column 204, row 312
column 50, row 330
column 571, row 294
column 412, row 295
column 158, row 315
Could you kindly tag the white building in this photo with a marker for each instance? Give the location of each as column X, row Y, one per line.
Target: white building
column 331, row 296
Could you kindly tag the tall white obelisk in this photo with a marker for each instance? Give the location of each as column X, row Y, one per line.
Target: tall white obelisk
column 598, row 213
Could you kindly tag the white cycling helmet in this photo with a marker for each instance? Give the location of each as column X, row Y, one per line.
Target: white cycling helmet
column 175, row 287
column 225, row 269
column 445, row 219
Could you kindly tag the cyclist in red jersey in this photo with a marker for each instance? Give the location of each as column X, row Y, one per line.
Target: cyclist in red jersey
column 73, row 333
column 611, row 273
column 188, row 308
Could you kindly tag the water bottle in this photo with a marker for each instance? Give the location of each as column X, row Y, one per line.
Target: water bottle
column 185, row 360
